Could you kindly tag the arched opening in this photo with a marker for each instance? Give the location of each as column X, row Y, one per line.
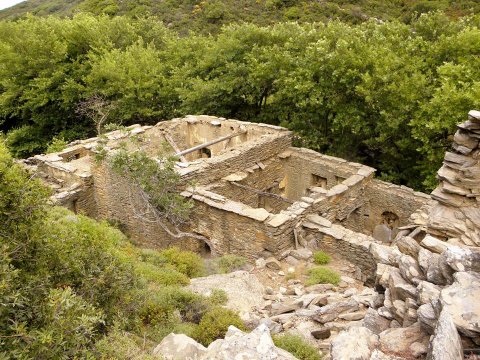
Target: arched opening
column 390, row 219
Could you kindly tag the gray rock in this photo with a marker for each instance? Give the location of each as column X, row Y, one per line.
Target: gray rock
column 353, row 316
column 462, row 258
column 408, row 246
column 356, row 343
column 278, row 309
column 301, row 254
column 382, row 254
column 179, row 346
column 382, row 233
column 433, row 244
column 375, row 322
column 257, row 345
column 427, row 317
column 427, row 292
column 461, row 301
column 399, row 288
column 398, row 341
column 272, row 263
column 409, row 268
column 446, row 344
column 322, row 333
column 243, row 289
column 330, row 312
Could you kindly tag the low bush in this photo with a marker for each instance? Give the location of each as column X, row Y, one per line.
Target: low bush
column 321, row 258
column 164, row 275
column 218, row 297
column 214, row 325
column 186, row 262
column 229, row 263
column 225, row 264
column 322, row 275
column 297, row 346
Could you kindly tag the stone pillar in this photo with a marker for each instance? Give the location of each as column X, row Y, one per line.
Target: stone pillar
column 455, row 217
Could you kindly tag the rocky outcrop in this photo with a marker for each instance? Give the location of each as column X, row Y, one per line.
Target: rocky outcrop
column 256, row 345
column 243, row 289
column 456, row 215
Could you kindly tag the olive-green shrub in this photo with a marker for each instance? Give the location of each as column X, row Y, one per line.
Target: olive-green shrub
column 322, row 275
column 321, row 258
column 215, row 323
column 297, row 346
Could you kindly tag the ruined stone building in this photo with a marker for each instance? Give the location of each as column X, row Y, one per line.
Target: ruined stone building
column 253, row 192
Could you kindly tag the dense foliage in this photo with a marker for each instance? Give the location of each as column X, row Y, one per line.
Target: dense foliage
column 207, row 16
column 388, row 95
column 71, row 287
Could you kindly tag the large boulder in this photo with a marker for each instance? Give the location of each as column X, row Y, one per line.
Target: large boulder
column 256, row 345
column 356, row 343
column 179, row 346
column 446, row 343
column 461, row 300
column 374, row 322
column 399, row 341
column 243, row 289
column 408, row 246
column 462, row 258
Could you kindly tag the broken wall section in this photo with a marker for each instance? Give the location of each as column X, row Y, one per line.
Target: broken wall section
column 386, row 204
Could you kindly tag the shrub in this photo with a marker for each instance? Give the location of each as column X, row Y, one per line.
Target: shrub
column 322, row 275
column 57, row 144
column 186, row 262
column 321, row 258
column 123, row 345
column 218, row 297
column 215, row 323
column 298, row 347
column 229, row 263
column 161, row 275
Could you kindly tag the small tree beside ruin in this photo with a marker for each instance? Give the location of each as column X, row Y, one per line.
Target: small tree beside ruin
column 157, row 183
column 98, row 109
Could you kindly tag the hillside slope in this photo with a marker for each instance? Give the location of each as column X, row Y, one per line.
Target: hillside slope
column 208, row 15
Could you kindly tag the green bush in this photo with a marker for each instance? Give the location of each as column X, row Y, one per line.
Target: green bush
column 321, row 258
column 123, row 345
column 322, row 275
column 215, row 323
column 186, row 262
column 229, row 263
column 297, row 346
column 164, row 275
column 218, row 297
column 57, row 144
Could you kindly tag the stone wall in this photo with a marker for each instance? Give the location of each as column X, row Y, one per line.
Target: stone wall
column 456, row 215
column 321, row 234
column 382, row 202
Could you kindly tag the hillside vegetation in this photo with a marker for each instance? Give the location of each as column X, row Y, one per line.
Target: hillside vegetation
column 388, row 95
column 74, row 288
column 207, row 16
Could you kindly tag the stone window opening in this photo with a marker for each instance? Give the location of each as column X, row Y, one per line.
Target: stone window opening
column 319, row 181
column 390, row 219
